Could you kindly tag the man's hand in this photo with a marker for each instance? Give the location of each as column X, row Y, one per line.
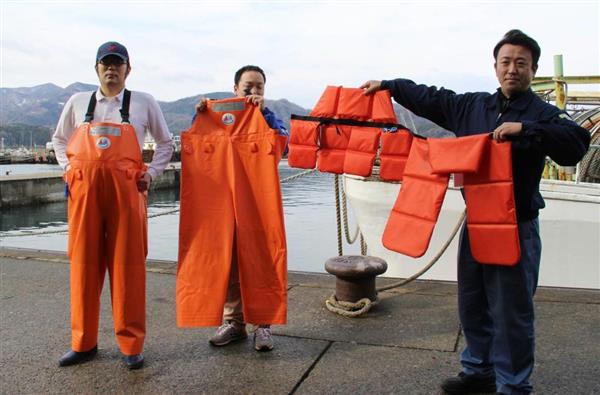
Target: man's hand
column 371, row 87
column 201, row 106
column 143, row 183
column 507, row 129
column 256, row 100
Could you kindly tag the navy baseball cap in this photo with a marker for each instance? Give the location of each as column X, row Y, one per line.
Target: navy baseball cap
column 112, row 48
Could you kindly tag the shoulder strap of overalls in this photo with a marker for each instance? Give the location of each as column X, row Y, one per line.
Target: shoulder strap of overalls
column 89, row 115
column 125, row 109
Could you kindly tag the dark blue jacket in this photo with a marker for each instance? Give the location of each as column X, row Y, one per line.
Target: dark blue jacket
column 274, row 122
column 547, row 131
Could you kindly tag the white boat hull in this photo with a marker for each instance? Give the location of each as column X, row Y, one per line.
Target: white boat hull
column 569, row 225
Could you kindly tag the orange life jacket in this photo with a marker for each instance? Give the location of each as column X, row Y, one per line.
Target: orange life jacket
column 415, row 212
column 230, row 183
column 107, row 230
column 341, row 134
column 491, row 213
column 395, row 147
column 303, row 144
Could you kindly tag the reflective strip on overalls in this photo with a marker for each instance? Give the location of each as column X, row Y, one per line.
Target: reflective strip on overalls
column 230, row 183
column 107, row 230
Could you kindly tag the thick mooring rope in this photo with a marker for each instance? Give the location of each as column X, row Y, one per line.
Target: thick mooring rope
column 338, row 220
column 433, row 260
column 349, row 240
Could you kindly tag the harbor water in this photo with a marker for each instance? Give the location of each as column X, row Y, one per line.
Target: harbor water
column 309, row 208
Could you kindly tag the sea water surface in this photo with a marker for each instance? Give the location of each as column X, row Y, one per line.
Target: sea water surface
column 308, row 202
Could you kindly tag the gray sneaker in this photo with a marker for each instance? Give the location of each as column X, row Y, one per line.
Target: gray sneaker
column 263, row 339
column 229, row 332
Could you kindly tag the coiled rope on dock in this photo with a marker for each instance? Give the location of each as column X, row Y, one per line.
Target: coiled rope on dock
column 350, row 309
column 167, row 212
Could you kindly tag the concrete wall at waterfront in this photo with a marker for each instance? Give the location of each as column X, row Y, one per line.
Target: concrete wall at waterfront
column 30, row 189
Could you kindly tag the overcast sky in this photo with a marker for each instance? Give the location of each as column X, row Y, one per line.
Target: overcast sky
column 181, row 48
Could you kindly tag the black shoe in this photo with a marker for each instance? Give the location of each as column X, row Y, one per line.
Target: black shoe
column 134, row 361
column 75, row 357
column 469, row 383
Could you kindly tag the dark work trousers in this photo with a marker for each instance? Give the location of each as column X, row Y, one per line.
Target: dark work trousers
column 496, row 312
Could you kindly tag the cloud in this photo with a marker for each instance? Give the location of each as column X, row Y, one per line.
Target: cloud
column 180, row 49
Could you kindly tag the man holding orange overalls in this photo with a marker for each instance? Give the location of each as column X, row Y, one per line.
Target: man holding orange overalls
column 98, row 142
column 232, row 252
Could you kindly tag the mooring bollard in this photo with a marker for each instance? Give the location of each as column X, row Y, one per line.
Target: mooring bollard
column 355, row 276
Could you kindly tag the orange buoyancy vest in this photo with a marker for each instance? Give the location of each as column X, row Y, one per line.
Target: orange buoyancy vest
column 491, row 213
column 107, row 230
column 395, row 147
column 342, row 132
column 230, row 183
column 303, row 145
column 491, row 209
column 415, row 213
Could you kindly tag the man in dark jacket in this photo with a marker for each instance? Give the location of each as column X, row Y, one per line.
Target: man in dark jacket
column 496, row 302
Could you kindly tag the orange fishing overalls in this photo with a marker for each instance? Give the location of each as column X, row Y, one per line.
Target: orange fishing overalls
column 230, row 184
column 107, row 230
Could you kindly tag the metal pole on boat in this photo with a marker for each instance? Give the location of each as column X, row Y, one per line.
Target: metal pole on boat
column 559, row 82
column 566, row 172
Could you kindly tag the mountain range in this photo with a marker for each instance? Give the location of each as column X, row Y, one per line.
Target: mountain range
column 41, row 106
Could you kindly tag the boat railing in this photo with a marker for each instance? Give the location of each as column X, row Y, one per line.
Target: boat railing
column 584, row 108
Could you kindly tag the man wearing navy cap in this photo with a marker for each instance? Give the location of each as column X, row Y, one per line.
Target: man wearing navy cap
column 98, row 142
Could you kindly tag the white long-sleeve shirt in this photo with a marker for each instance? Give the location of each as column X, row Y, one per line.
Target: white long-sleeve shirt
column 144, row 115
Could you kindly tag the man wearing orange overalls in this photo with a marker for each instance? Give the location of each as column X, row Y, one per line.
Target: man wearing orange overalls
column 98, row 142
column 266, row 270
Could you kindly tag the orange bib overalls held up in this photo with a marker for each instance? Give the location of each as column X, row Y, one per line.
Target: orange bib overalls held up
column 107, row 230
column 230, row 191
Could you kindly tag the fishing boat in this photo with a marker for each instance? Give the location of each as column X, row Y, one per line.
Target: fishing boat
column 148, row 149
column 4, row 158
column 21, row 155
column 150, row 146
column 569, row 224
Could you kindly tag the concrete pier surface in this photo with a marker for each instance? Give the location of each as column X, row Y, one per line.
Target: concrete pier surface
column 406, row 345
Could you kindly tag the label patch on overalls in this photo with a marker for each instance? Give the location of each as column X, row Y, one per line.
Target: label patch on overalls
column 226, row 107
column 103, row 142
column 105, row 130
column 228, row 118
